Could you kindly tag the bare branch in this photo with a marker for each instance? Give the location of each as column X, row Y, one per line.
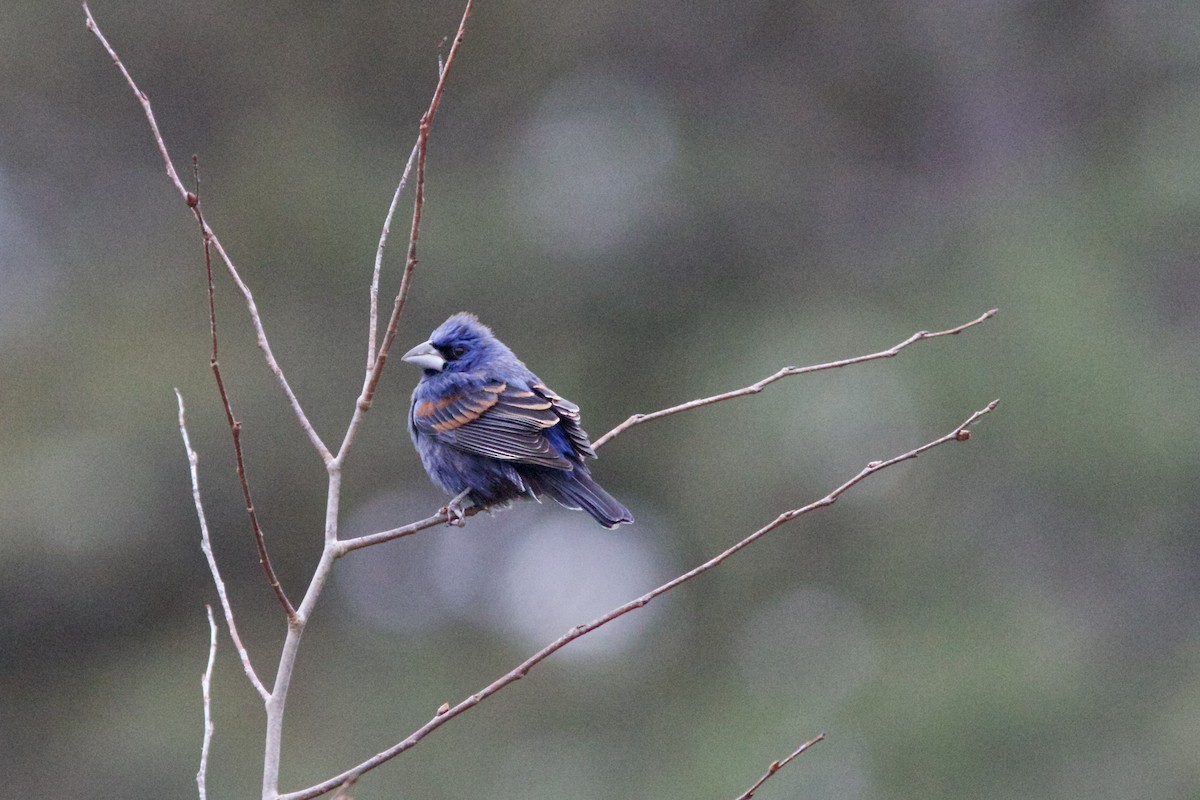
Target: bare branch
column 778, row 765
column 205, row 686
column 443, row 517
column 277, row 703
column 206, row 546
column 190, row 200
column 344, row 788
column 787, row 372
column 960, row 433
column 419, row 201
column 373, row 325
column 373, row 375
column 235, row 426
column 372, row 330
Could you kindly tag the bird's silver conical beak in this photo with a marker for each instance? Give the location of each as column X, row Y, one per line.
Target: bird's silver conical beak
column 426, row 356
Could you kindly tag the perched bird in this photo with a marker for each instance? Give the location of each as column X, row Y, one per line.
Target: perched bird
column 484, row 424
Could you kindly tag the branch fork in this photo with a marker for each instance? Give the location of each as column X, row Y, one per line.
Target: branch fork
column 275, row 698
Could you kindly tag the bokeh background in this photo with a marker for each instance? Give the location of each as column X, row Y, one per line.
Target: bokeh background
column 650, row 202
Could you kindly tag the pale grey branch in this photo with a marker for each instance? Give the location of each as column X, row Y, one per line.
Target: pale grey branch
column 206, row 546
column 444, row 715
column 205, row 692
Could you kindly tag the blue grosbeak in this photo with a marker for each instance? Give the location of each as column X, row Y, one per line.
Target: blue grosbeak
column 484, row 424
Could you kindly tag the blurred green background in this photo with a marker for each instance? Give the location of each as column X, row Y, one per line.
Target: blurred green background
column 649, row 202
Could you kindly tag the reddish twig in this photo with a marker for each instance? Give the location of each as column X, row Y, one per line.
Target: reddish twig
column 960, row 433
column 205, row 687
column 389, row 336
column 786, row 372
column 778, row 765
column 235, row 426
column 206, row 547
column 210, row 236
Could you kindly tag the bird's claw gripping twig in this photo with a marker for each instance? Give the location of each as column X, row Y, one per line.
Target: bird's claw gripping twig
column 454, row 511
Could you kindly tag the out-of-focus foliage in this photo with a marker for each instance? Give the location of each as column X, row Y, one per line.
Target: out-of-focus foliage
column 650, row 202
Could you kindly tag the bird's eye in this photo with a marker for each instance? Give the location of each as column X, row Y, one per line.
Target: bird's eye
column 458, row 351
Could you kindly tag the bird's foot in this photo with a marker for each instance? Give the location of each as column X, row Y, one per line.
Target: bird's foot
column 454, row 511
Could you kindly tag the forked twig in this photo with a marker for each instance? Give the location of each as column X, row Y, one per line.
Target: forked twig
column 275, row 706
column 350, row 545
column 787, row 372
column 389, row 336
column 778, row 765
column 444, row 715
column 190, row 200
column 275, row 701
column 206, row 546
column 373, row 325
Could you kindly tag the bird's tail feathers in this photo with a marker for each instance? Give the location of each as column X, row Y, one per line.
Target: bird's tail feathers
column 577, row 490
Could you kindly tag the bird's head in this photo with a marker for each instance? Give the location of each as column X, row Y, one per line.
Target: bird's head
column 460, row 344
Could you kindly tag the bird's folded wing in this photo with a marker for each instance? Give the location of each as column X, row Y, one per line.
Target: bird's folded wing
column 568, row 413
column 496, row 421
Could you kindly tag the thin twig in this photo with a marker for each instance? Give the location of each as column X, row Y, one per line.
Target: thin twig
column 277, row 703
column 389, row 336
column 235, row 426
column 443, row 517
column 419, row 201
column 372, row 330
column 205, row 686
column 206, row 546
column 960, row 433
column 190, row 200
column 376, row 362
column 778, row 765
column 787, row 372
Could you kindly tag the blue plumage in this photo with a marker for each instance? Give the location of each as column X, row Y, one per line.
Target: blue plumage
column 481, row 421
